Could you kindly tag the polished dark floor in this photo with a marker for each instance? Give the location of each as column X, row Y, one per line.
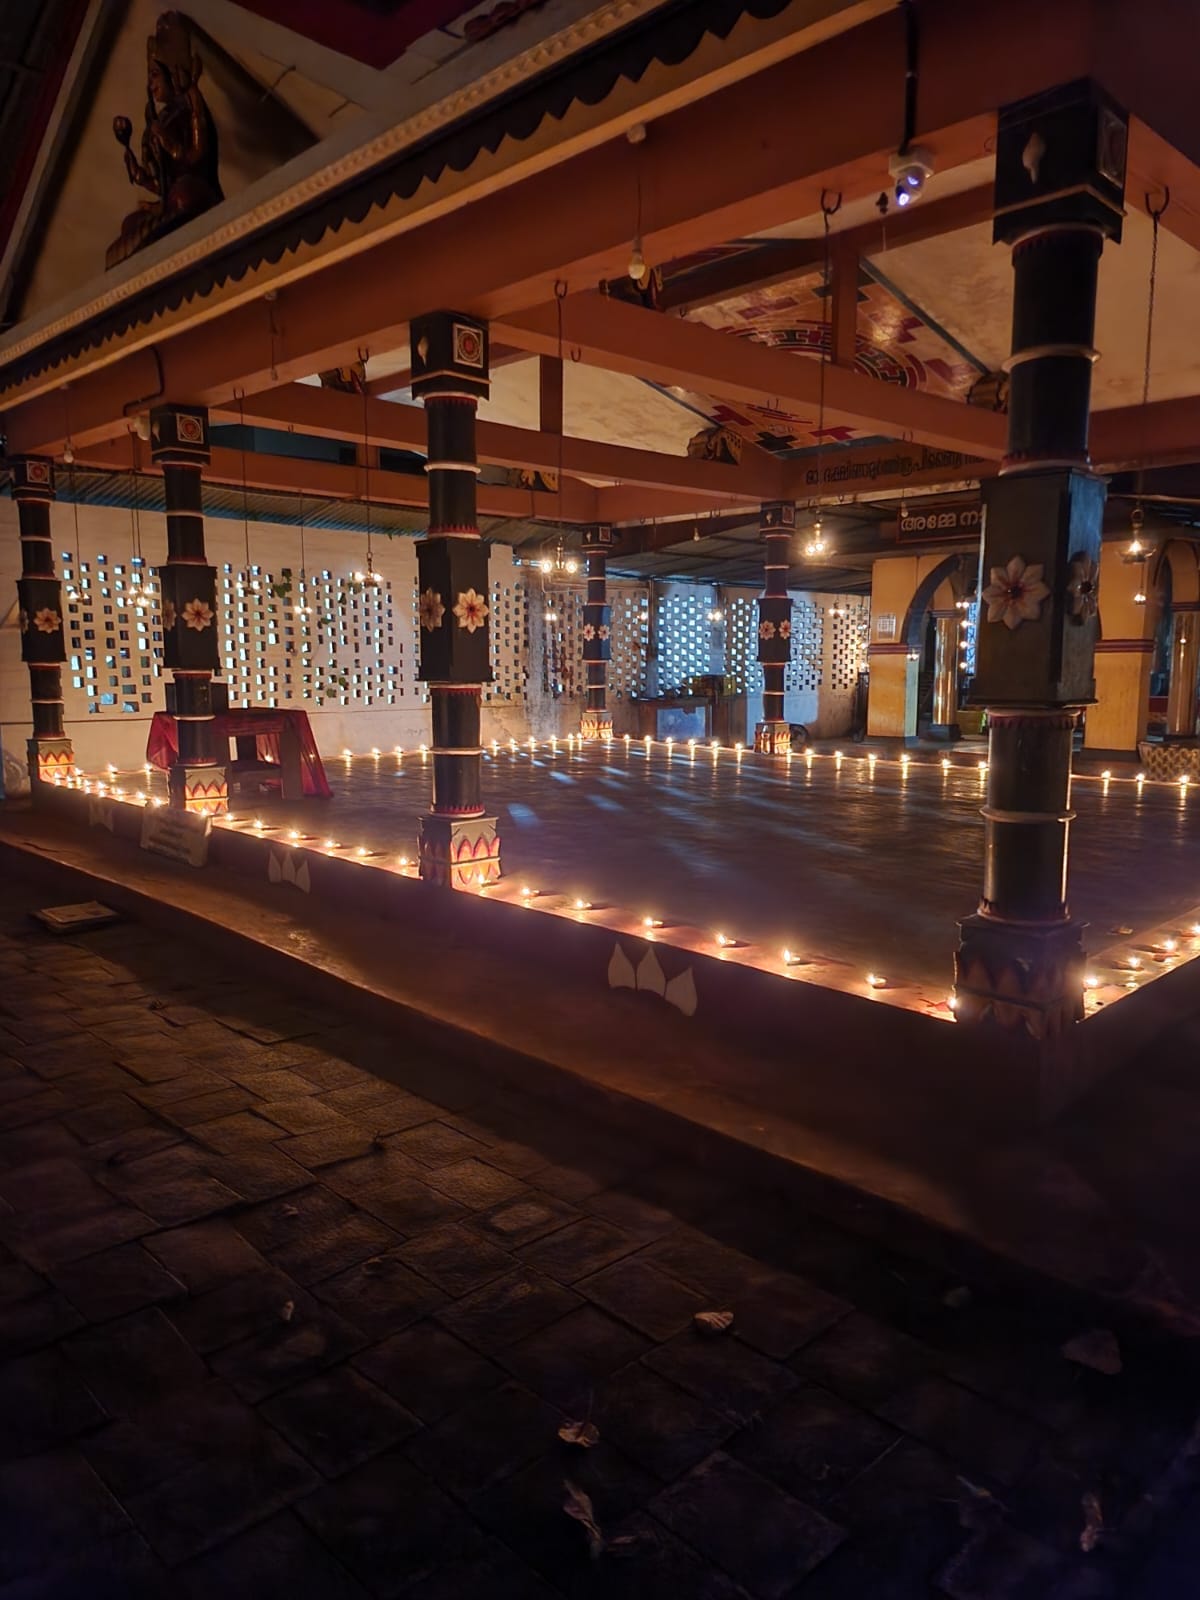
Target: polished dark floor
column 292, row 1309
column 869, row 870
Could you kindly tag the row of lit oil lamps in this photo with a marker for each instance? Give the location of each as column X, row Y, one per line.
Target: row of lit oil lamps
column 1166, row 953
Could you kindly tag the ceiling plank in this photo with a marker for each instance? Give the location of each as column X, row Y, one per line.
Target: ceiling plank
column 648, row 344
column 824, row 118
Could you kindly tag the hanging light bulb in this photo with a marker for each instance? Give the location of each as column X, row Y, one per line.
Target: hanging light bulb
column 1135, row 550
column 638, row 270
column 817, row 544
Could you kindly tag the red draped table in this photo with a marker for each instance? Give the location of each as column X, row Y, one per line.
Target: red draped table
column 282, row 740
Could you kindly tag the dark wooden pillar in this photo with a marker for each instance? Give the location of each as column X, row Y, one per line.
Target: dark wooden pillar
column 459, row 845
column 198, row 780
column 1060, row 170
column 596, row 722
column 43, row 646
column 776, row 526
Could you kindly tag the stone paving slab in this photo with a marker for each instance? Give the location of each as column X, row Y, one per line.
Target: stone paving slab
column 272, row 1324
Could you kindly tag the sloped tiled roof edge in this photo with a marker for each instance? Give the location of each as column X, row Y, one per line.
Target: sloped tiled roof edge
column 667, row 36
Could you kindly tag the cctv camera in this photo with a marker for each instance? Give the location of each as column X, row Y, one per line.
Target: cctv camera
column 910, row 168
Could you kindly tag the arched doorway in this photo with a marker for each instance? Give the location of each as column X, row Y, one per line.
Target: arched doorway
column 932, row 631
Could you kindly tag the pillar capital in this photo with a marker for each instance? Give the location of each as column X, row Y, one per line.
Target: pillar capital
column 776, row 517
column 32, row 477
column 179, row 436
column 598, row 536
column 449, row 355
column 1060, row 160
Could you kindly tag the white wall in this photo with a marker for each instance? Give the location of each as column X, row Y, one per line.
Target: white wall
column 384, row 708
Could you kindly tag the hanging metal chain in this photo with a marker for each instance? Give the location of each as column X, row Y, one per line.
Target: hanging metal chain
column 364, row 356
column 240, row 397
column 829, row 209
column 1156, row 216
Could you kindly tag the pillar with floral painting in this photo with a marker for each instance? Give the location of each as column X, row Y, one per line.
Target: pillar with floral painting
column 43, row 645
column 459, row 846
column 1059, row 188
column 197, row 780
column 596, row 722
column 776, row 525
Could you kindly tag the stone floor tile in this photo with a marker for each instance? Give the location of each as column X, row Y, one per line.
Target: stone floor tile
column 161, row 1093
column 1002, row 1564
column 566, row 1361
column 232, row 1310
column 456, row 1258
column 380, row 1295
column 200, row 1108
column 202, row 1255
column 35, row 1320
column 259, row 1172
column 530, row 1216
column 864, row 1360
column 16, row 1279
column 579, row 1249
column 109, row 1115
column 284, row 1352
column 637, row 1216
column 169, row 1186
column 338, row 1419
column 726, row 1375
column 518, row 1160
column 54, row 1508
column 492, row 1571
column 508, row 1309
column 134, row 1360
column 279, row 1557
column 378, row 1167
column 269, row 1082
column 389, row 1525
column 985, row 1440
column 410, row 1206
column 339, row 1141
column 32, row 1108
column 43, row 1403
column 40, row 1142
column 712, row 1269
column 62, row 1241
column 327, row 1072
column 229, row 1135
column 115, row 1282
column 119, row 1568
column 189, row 1512
column 655, row 1303
column 656, row 1423
column 285, row 1223
column 576, row 1184
column 487, row 1439
column 436, row 1144
column 905, row 1513
column 762, row 1537
column 652, row 1565
column 299, row 1114
column 784, row 1313
column 429, row 1371
column 476, row 1184
column 335, row 1248
column 526, row 1508
column 812, row 1443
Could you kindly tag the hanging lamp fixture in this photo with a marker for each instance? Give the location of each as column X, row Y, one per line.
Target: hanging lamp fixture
column 251, row 581
column 138, row 589
column 1136, row 549
column 370, row 576
column 818, row 546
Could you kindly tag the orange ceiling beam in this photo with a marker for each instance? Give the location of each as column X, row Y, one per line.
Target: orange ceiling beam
column 325, row 413
column 665, row 349
column 328, row 480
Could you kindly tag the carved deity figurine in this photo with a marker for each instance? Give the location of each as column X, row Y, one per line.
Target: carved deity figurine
column 179, row 143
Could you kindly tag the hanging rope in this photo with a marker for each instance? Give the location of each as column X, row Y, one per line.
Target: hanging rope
column 363, row 357
column 1156, row 216
column 829, row 209
column 69, row 456
column 135, row 521
column 240, row 397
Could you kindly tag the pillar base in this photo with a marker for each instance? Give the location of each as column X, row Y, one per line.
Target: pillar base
column 944, row 732
column 596, row 725
column 50, row 759
column 1019, row 978
column 459, row 852
column 202, row 790
column 773, row 738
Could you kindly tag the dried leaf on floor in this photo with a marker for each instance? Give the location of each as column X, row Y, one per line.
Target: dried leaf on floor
column 579, row 1505
column 290, row 1211
column 584, row 1434
column 1093, row 1523
column 373, row 1266
column 713, row 1322
column 287, row 1311
column 1097, row 1349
